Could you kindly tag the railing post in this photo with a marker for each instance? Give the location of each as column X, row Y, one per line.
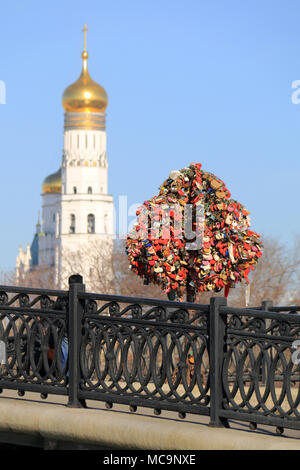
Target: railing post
column 266, row 305
column 75, row 315
column 217, row 348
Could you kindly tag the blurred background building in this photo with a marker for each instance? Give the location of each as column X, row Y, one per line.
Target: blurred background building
column 77, row 211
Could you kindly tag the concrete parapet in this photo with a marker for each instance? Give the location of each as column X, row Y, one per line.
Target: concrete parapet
column 55, row 423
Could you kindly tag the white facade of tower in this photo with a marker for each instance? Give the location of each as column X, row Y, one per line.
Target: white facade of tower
column 85, row 219
column 78, row 223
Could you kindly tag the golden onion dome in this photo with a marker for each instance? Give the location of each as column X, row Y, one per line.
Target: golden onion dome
column 85, row 95
column 52, row 184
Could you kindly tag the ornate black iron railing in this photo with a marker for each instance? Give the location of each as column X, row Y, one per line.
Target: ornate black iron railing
column 260, row 357
column 144, row 352
column 214, row 360
column 33, row 328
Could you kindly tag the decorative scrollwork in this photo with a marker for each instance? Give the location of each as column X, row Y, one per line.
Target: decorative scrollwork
column 257, row 325
column 259, row 375
column 284, row 328
column 33, row 341
column 167, row 365
column 3, row 298
column 137, row 311
column 235, row 322
column 114, row 309
column 179, row 316
column 24, row 300
column 42, row 302
column 33, row 348
column 91, row 306
column 159, row 313
column 156, row 313
column 61, row 303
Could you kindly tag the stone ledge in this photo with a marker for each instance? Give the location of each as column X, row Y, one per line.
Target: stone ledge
column 46, row 422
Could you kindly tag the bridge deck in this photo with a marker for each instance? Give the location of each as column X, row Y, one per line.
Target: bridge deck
column 49, row 424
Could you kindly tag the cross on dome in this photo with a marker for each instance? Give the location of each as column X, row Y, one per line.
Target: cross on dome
column 85, row 30
column 85, row 95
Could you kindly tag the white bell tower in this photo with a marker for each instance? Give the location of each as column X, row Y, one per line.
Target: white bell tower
column 84, row 224
column 77, row 229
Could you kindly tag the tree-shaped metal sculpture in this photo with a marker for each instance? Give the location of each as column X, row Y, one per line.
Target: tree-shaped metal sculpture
column 192, row 237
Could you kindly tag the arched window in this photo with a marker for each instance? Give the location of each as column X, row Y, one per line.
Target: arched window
column 72, row 223
column 75, row 190
column 90, row 191
column 91, row 223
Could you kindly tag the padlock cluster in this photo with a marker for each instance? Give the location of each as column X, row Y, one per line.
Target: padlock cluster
column 192, row 235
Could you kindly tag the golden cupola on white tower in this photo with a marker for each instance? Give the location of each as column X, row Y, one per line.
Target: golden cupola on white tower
column 85, row 101
column 77, row 209
column 85, row 95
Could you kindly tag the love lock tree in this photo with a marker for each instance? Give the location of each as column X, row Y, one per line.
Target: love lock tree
column 192, row 237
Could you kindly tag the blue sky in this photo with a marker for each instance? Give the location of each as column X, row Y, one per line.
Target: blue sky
column 188, row 81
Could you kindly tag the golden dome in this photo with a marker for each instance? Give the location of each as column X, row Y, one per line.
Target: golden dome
column 85, row 95
column 52, row 184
